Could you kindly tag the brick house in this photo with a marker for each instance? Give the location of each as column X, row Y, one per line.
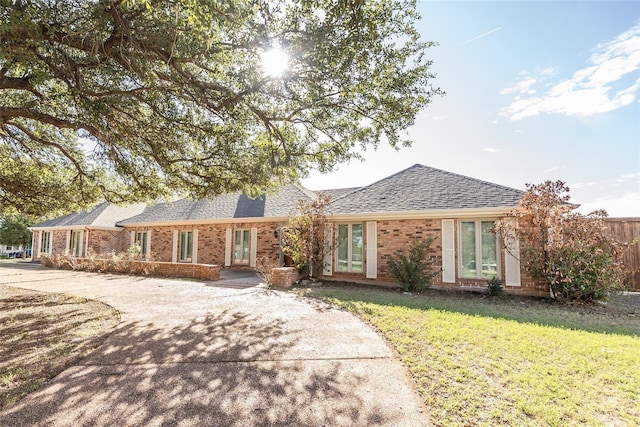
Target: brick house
column 81, row 232
column 370, row 225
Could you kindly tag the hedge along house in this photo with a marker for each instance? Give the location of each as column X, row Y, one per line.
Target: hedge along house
column 80, row 233
column 377, row 222
column 230, row 230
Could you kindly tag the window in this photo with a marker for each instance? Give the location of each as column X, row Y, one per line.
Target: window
column 478, row 250
column 45, row 245
column 241, row 247
column 350, row 248
column 186, row 246
column 75, row 247
column 141, row 241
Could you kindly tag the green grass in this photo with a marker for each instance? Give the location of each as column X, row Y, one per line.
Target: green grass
column 509, row 361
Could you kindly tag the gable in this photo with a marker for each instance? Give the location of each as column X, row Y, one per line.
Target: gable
column 422, row 188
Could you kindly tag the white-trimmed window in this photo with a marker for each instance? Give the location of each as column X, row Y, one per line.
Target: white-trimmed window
column 75, row 244
column 141, row 241
column 349, row 250
column 241, row 247
column 186, row 246
column 479, row 257
column 45, row 243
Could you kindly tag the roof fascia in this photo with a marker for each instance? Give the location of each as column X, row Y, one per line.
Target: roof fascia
column 74, row 227
column 438, row 213
column 204, row 221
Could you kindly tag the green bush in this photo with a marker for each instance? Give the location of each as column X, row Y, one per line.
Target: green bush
column 495, row 287
column 412, row 270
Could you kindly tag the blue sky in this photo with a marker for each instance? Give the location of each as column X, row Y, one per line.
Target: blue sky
column 535, row 91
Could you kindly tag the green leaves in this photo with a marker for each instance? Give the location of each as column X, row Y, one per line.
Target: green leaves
column 175, row 100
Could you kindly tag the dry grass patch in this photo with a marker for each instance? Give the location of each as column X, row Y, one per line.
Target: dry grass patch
column 42, row 334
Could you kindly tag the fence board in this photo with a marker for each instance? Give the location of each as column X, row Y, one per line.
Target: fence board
column 628, row 230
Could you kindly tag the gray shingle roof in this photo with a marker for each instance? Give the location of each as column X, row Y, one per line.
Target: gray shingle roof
column 225, row 206
column 422, row 188
column 103, row 215
column 335, row 193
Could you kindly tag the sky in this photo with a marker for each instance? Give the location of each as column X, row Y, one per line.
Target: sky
column 536, row 91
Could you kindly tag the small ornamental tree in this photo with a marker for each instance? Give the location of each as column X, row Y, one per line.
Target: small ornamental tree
column 305, row 238
column 14, row 232
column 573, row 253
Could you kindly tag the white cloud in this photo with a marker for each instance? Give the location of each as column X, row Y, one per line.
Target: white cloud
column 589, row 91
column 628, row 176
column 490, row 150
column 627, row 205
column 555, row 168
column 521, row 87
column 438, row 118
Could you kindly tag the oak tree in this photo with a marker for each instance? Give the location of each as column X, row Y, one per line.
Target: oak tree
column 137, row 100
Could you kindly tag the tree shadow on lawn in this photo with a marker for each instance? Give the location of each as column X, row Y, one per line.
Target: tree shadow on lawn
column 222, row 370
column 620, row 316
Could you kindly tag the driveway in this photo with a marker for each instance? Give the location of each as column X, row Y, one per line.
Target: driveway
column 228, row 353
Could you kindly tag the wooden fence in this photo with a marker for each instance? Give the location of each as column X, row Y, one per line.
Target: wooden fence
column 628, row 230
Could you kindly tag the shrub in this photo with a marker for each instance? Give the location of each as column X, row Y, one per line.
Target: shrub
column 573, row 253
column 495, row 287
column 411, row 270
column 305, row 238
column 264, row 269
column 101, row 263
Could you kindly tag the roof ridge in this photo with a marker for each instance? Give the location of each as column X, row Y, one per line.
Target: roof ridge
column 364, row 187
column 469, row 177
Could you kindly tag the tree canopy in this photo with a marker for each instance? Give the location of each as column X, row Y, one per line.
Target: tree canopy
column 14, row 231
column 138, row 100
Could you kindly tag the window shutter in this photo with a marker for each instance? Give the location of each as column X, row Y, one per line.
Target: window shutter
column 512, row 263
column 68, row 247
column 227, row 248
column 174, row 253
column 148, row 254
column 327, row 269
column 372, row 250
column 194, row 251
column 133, row 239
column 448, row 252
column 253, row 247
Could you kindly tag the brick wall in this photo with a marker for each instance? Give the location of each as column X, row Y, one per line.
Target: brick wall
column 394, row 237
column 58, row 241
column 105, row 241
column 211, row 240
column 284, row 276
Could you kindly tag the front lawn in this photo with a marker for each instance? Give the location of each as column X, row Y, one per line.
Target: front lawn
column 41, row 334
column 478, row 360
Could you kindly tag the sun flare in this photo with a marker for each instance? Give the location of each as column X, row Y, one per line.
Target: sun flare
column 275, row 62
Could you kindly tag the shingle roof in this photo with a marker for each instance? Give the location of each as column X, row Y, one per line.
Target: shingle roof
column 225, row 206
column 103, row 215
column 423, row 188
column 335, row 193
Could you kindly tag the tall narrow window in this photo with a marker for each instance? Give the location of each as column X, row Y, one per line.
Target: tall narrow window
column 350, row 248
column 141, row 241
column 45, row 245
column 241, row 247
column 76, row 243
column 186, row 246
column 478, row 250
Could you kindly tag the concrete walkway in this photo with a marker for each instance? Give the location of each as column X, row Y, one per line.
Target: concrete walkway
column 190, row 353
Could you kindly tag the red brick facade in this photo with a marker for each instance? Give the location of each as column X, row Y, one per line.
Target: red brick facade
column 393, row 237
column 212, row 240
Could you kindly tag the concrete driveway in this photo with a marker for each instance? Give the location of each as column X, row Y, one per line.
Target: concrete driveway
column 227, row 353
